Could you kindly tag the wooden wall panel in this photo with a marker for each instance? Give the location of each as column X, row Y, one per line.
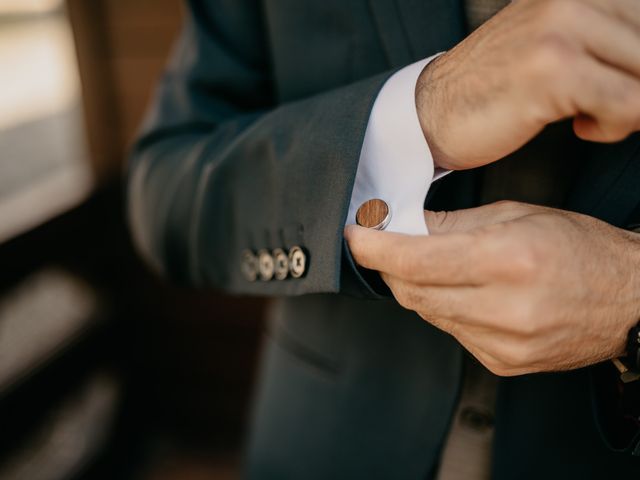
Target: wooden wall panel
column 122, row 46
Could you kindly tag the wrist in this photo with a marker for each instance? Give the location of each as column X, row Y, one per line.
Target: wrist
column 428, row 100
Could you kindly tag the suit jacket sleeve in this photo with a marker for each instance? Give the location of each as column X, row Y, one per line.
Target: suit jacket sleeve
column 222, row 167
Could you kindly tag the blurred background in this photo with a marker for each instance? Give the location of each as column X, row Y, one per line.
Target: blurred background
column 106, row 371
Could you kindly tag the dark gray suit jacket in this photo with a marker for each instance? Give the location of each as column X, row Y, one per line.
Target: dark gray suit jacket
column 253, row 142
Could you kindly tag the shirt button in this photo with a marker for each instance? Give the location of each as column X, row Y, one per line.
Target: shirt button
column 281, row 261
column 297, row 262
column 374, row 213
column 249, row 266
column 476, row 419
column 266, row 265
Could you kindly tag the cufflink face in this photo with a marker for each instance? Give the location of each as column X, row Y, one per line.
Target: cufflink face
column 266, row 266
column 374, row 213
column 281, row 264
column 297, row 262
column 249, row 266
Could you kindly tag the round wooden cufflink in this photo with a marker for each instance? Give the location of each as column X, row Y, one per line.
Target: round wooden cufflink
column 374, row 213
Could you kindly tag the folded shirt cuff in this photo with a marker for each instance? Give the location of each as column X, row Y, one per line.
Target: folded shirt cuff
column 396, row 164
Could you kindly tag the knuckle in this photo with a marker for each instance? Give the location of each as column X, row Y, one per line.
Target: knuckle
column 509, row 364
column 516, row 356
column 525, row 262
column 496, row 367
column 504, row 365
column 507, row 372
column 518, row 261
column 552, row 56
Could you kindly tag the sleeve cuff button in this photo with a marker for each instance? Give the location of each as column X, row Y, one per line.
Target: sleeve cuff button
column 249, row 266
column 297, row 262
column 281, row 264
column 266, row 265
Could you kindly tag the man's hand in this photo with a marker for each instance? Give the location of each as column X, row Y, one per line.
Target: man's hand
column 523, row 288
column 535, row 62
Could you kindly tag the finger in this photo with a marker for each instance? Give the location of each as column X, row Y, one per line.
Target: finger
column 471, row 218
column 503, row 353
column 609, row 39
column 500, row 346
column 627, row 11
column 378, row 250
column 486, row 309
column 448, row 309
column 443, row 306
column 453, row 259
column 608, row 98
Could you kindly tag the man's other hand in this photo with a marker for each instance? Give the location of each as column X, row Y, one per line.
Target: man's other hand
column 523, row 288
column 535, row 62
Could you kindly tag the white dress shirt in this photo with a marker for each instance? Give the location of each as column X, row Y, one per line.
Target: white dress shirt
column 395, row 163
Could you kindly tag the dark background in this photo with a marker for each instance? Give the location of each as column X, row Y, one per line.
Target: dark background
column 107, row 370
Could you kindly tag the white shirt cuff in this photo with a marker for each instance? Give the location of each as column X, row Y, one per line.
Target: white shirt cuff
column 395, row 163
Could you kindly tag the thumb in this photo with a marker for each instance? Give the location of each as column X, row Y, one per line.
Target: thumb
column 471, row 218
column 377, row 249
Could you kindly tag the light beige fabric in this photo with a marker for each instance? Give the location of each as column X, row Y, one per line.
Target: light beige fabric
column 467, row 452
